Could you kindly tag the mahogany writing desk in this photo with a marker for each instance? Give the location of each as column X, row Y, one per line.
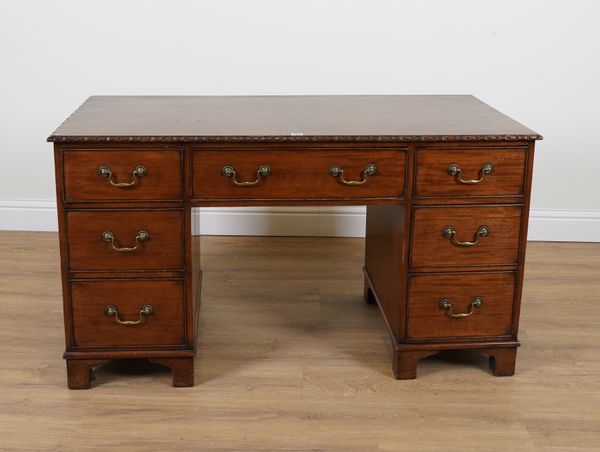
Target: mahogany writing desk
column 446, row 180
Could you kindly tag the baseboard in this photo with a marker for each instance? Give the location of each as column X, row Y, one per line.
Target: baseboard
column 553, row 225
column 544, row 225
column 28, row 215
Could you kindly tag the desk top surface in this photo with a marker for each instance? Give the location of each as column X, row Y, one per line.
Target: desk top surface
column 287, row 118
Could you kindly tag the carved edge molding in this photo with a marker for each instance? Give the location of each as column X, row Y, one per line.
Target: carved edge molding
column 285, row 138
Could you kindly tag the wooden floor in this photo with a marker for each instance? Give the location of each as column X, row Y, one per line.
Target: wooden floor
column 310, row 367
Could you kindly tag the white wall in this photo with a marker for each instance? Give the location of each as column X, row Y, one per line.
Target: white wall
column 537, row 61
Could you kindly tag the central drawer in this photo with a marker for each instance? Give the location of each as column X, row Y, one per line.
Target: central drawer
column 298, row 174
column 147, row 313
column 113, row 240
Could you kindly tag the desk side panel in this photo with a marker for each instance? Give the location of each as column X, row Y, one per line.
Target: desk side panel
column 385, row 241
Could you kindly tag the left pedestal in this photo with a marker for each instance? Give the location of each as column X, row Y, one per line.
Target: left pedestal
column 126, row 257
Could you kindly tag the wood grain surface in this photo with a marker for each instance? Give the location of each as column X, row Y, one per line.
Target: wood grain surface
column 500, row 246
column 92, row 327
column 433, row 179
column 162, row 251
column 298, row 173
column 287, row 118
column 493, row 318
column 163, row 180
column 304, row 364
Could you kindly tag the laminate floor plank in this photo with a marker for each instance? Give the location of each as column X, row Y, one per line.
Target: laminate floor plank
column 291, row 358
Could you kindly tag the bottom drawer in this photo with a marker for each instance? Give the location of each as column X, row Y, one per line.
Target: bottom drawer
column 128, row 313
column 460, row 305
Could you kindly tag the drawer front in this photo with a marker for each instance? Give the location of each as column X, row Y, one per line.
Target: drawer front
column 302, row 174
column 99, row 306
column 460, row 305
column 446, row 236
column 470, row 172
column 95, row 175
column 114, row 240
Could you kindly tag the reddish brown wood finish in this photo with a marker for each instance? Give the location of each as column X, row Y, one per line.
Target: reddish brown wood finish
column 185, row 119
column 383, row 263
column 507, row 177
column 523, row 238
column 431, row 248
column 425, row 319
column 294, row 175
column 162, row 252
column 80, row 372
column 512, row 216
column 63, row 240
column 184, row 142
column 502, row 360
column 83, row 182
column 405, row 362
column 92, row 327
column 181, row 368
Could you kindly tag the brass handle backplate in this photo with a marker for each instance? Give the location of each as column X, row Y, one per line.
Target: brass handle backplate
column 141, row 237
column 450, row 232
column 138, row 172
column 262, row 172
column 112, row 311
column 486, row 169
column 337, row 172
column 445, row 304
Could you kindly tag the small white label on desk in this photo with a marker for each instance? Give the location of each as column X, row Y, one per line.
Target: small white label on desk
column 296, row 134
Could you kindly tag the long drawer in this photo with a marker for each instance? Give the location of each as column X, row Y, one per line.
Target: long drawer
column 305, row 174
column 473, row 235
column 117, row 240
column 460, row 305
column 122, row 175
column 123, row 313
column 467, row 172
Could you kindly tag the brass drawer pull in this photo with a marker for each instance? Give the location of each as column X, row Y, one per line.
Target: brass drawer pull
column 337, row 172
column 141, row 237
column 138, row 172
column 111, row 310
column 445, row 304
column 486, row 169
column 450, row 232
column 262, row 172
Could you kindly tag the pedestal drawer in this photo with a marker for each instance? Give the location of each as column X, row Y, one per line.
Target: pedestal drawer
column 464, row 172
column 115, row 175
column 460, row 305
column 113, row 240
column 474, row 235
column 302, row 174
column 115, row 313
